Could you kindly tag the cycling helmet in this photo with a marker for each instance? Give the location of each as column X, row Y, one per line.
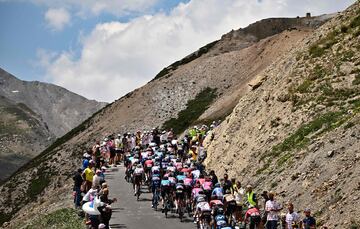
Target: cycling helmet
column 152, row 144
column 220, row 211
column 201, row 199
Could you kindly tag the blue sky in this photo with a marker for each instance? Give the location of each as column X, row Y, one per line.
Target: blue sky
column 122, row 44
column 24, row 31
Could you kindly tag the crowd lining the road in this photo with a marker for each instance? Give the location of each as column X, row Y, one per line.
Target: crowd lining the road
column 172, row 170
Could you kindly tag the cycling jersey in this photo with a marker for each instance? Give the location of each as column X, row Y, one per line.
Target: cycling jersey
column 155, row 168
column 180, row 177
column 165, row 183
column 201, row 181
column 203, row 206
column 171, row 168
column 148, row 163
column 138, row 171
column 216, row 202
column 196, row 174
column 188, row 182
column 186, row 170
column 155, row 182
column 172, row 180
column 178, row 166
column 207, row 185
column 220, row 220
column 195, row 192
column 217, row 192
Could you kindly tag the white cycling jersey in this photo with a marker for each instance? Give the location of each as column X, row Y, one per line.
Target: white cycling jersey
column 203, row 206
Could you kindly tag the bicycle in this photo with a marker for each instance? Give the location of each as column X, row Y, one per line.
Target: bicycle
column 205, row 220
column 156, row 198
column 167, row 204
column 181, row 209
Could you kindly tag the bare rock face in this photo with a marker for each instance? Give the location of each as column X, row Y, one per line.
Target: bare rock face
column 297, row 132
column 32, row 116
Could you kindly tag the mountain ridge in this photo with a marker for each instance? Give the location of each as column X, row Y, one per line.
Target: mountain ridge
column 46, row 112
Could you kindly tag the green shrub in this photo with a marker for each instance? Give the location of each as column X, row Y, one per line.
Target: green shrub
column 65, row 218
column 356, row 21
column 348, row 55
column 356, row 81
column 305, row 86
column 344, row 29
column 319, row 71
column 300, row 139
column 319, row 48
column 194, row 109
column 38, row 185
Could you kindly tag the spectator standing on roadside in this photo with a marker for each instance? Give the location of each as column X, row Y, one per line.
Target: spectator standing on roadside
column 272, row 208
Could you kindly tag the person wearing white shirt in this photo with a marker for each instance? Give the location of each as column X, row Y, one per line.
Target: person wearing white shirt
column 292, row 218
column 272, row 207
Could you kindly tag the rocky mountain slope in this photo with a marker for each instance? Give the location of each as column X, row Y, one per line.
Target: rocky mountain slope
column 298, row 132
column 33, row 115
column 59, row 108
column 218, row 74
column 22, row 135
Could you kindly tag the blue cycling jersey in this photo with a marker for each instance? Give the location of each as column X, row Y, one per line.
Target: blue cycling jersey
column 165, row 183
column 180, row 177
column 218, row 191
column 155, row 182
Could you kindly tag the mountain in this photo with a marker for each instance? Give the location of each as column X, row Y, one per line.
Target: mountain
column 33, row 115
column 59, row 108
column 22, row 135
column 213, row 83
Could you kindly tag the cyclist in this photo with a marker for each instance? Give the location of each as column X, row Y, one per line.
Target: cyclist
column 165, row 188
column 252, row 216
column 148, row 164
column 138, row 175
column 180, row 197
column 217, row 193
column 155, row 187
column 202, row 211
column 219, row 219
column 207, row 187
column 229, row 204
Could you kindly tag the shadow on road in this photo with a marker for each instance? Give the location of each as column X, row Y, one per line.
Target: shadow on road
column 145, row 199
column 118, row 225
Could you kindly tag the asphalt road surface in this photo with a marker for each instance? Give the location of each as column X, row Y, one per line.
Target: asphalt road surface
column 132, row 214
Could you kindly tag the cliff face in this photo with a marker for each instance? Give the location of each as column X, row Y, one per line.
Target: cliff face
column 298, row 132
column 33, row 115
column 220, row 71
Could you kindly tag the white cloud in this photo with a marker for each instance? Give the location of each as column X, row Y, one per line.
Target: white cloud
column 57, row 18
column 115, row 7
column 118, row 57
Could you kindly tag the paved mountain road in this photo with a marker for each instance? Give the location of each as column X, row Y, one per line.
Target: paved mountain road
column 131, row 214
